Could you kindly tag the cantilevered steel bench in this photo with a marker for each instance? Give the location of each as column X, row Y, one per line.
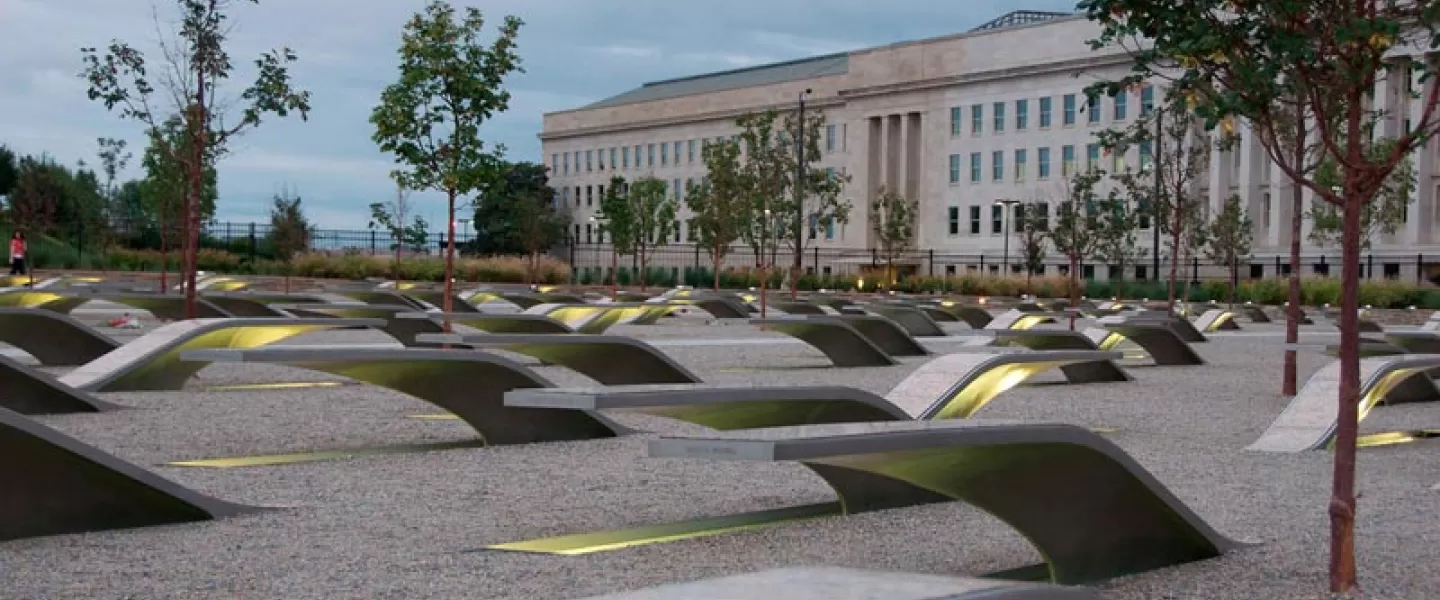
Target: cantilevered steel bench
column 471, row 385
column 250, row 304
column 388, row 316
column 31, row 392
column 950, row 386
column 53, row 338
column 719, row 306
column 1014, row 319
column 836, row 339
column 1310, row 420
column 799, row 308
column 835, row 583
column 1182, row 326
column 170, row 307
column 974, row 316
column 51, row 301
column 382, row 298
column 915, row 321
column 1216, row 319
column 582, row 317
column 56, row 485
column 1254, row 313
column 1092, row 512
column 608, row 359
column 437, row 300
column 152, row 361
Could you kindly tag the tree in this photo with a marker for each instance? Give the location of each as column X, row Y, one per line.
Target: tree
column 719, row 203
column 892, row 223
column 166, row 185
column 430, row 118
column 8, row 170
column 1229, row 240
column 765, row 173
column 1119, row 215
column 196, row 63
column 1032, row 227
column 34, row 201
column 1382, row 216
column 1244, row 61
column 652, row 212
column 498, row 209
column 1076, row 232
column 290, row 231
column 390, row 216
column 819, row 197
column 537, row 227
column 617, row 218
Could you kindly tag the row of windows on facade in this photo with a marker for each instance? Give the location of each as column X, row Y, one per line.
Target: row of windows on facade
column 673, row 188
column 594, row 233
column 1043, row 158
column 1069, row 105
column 685, row 152
column 997, row 217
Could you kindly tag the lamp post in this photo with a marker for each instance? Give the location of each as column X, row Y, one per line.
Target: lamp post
column 1005, row 218
column 799, row 224
column 1155, row 204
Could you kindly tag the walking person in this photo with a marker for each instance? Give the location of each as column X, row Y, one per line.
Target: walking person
column 17, row 253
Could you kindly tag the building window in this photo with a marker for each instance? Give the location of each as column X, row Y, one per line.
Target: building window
column 829, row 230
column 975, row 167
column 829, row 138
column 1092, row 106
column 1122, row 99
column 600, row 159
column 998, row 116
column 1068, row 105
column 690, row 151
column 565, row 197
column 625, row 157
column 678, row 146
column 974, row 220
column 1147, row 157
column 1092, row 156
column 1265, row 211
column 844, row 136
column 977, row 119
column 612, row 158
column 1147, row 100
column 1067, row 161
column 954, row 168
column 954, row 121
column 953, row 215
column 1020, row 159
column 650, row 155
column 1045, row 112
column 565, row 161
column 677, row 188
column 589, row 160
column 1044, row 218
column 1117, row 160
column 589, row 196
column 1042, row 159
column 1022, row 114
column 997, row 165
column 664, row 154
column 997, row 218
column 554, row 163
column 639, row 156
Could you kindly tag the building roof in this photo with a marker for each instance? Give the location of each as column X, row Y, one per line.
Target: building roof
column 793, row 70
column 781, row 72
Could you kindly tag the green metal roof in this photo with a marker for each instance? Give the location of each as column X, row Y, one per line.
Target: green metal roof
column 781, row 72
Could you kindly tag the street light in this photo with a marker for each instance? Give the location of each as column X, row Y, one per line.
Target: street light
column 799, row 192
column 1155, row 204
column 1005, row 218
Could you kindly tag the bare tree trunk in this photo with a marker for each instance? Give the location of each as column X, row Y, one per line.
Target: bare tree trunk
column 164, row 251
column 614, row 272
column 448, row 304
column 1174, row 252
column 644, row 265
column 1074, row 281
column 192, row 203
column 1342, row 499
column 716, row 272
column 1288, row 385
column 1120, row 283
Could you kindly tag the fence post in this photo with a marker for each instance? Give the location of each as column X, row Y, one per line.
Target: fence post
column 931, row 260
column 252, row 244
column 1195, row 270
column 1369, row 266
column 1277, row 266
column 982, row 265
column 815, row 260
column 1419, row 266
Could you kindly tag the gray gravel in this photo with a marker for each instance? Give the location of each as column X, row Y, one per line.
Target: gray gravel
column 397, row 526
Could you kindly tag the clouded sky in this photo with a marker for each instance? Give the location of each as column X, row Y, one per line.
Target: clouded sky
column 574, row 52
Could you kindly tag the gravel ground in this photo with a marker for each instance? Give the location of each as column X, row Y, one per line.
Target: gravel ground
column 398, row 526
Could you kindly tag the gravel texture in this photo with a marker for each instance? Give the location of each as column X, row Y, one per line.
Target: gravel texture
column 399, row 526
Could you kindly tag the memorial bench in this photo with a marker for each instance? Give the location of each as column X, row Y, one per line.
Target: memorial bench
column 1158, row 341
column 53, row 338
column 51, row 301
column 388, row 316
column 251, row 304
column 974, row 316
column 169, row 307
column 1014, row 319
column 1311, row 419
column 1216, row 320
column 836, row 339
column 55, row 484
column 608, row 359
column 914, row 320
column 835, row 583
column 1090, row 509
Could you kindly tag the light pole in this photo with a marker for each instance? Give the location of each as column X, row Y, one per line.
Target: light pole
column 1005, row 218
column 799, row 198
column 1155, row 204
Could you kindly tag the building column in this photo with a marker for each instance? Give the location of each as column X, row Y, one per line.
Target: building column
column 1250, row 175
column 894, row 147
column 1420, row 229
column 1221, row 176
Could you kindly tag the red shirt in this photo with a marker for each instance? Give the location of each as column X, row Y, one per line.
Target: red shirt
column 17, row 247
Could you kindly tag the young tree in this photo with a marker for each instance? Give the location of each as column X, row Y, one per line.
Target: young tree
column 195, row 64
column 449, row 84
column 1076, row 231
column 653, row 212
column 1119, row 215
column 1243, row 62
column 892, row 223
column 765, row 173
column 391, row 216
column 1032, row 227
column 537, row 227
column 617, row 217
column 819, row 197
column 719, row 204
column 1229, row 240
column 499, row 208
column 290, row 231
column 1382, row 216
column 8, row 170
